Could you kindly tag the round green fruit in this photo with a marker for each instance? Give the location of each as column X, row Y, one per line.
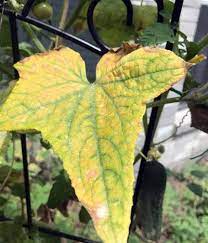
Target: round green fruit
column 144, row 16
column 43, row 11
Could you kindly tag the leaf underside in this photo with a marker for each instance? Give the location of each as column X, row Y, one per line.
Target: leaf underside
column 92, row 127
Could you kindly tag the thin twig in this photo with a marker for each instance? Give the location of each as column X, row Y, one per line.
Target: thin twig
column 200, row 155
column 175, row 129
column 33, row 37
column 62, row 22
column 145, row 157
column 164, row 102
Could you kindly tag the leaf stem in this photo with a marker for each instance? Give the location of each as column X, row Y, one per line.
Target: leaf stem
column 39, row 31
column 163, row 102
column 145, row 157
column 33, row 37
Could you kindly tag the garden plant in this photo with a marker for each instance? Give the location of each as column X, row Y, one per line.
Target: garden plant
column 81, row 131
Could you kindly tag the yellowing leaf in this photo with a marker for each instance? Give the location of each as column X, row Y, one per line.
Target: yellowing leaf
column 198, row 58
column 92, row 127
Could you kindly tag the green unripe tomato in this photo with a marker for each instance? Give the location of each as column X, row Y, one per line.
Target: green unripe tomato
column 144, row 16
column 42, row 11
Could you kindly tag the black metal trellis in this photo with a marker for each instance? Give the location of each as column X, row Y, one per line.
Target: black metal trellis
column 100, row 50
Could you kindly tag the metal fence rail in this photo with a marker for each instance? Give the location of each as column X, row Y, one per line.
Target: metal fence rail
column 100, row 50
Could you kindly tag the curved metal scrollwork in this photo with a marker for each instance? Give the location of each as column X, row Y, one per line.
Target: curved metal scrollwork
column 91, row 24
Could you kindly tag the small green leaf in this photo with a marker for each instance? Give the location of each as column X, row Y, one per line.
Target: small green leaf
column 39, row 195
column 61, row 191
column 196, row 189
column 192, row 49
column 199, row 174
column 133, row 239
column 12, row 207
column 157, row 34
column 26, row 49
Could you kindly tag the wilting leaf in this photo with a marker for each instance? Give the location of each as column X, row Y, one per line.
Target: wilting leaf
column 92, row 127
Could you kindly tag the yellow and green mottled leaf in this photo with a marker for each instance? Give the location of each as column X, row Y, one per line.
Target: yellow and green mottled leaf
column 92, row 127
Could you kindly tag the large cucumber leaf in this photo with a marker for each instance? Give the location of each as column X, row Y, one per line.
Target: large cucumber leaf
column 92, row 127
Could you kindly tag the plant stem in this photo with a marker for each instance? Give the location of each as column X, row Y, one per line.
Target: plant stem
column 163, row 102
column 75, row 14
column 169, row 137
column 141, row 3
column 203, row 42
column 62, row 22
column 39, row 31
column 145, row 157
column 33, row 37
